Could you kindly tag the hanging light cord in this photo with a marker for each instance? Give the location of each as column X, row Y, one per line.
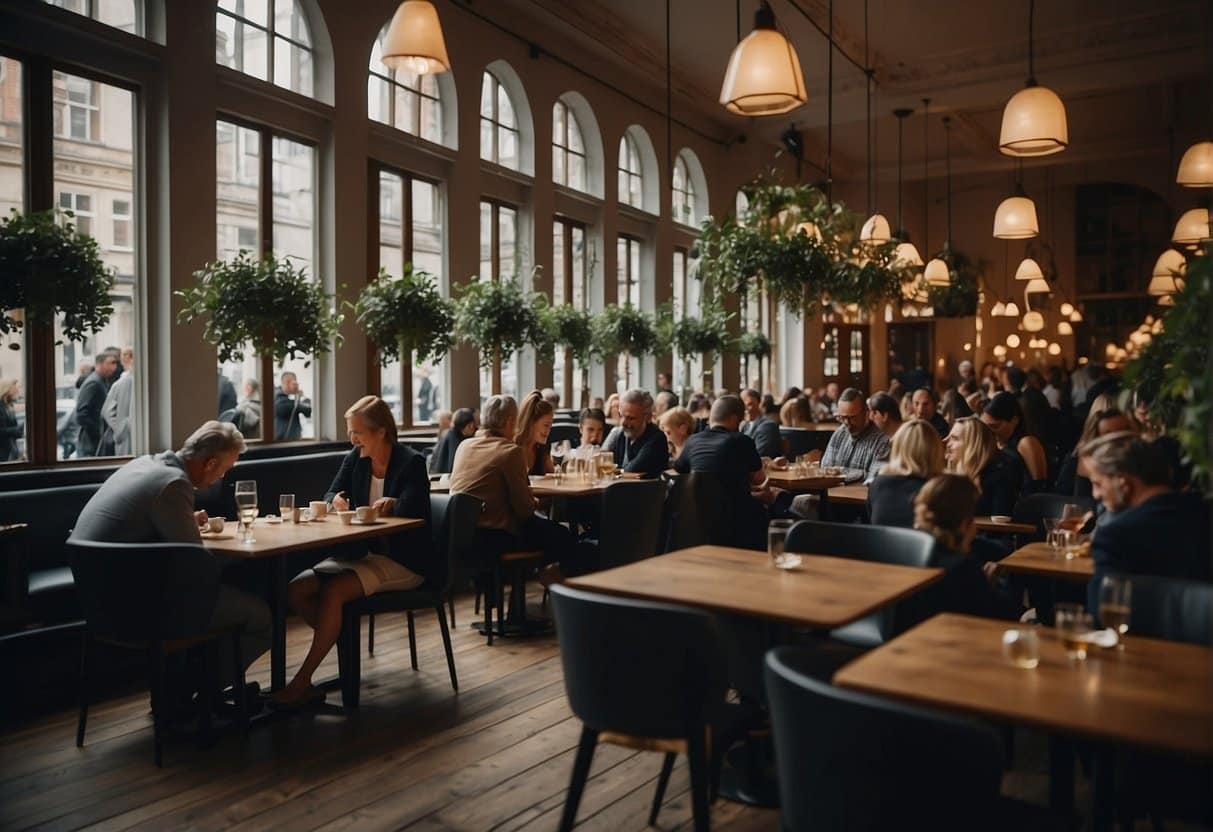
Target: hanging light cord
column 901, row 122
column 830, row 109
column 926, row 208
column 1031, row 44
column 669, row 98
column 868, row 91
column 947, row 138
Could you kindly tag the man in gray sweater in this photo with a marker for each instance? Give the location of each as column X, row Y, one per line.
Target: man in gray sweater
column 151, row 500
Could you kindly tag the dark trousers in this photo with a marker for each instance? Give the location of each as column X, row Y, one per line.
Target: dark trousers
column 558, row 544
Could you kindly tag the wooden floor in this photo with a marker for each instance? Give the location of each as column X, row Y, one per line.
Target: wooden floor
column 497, row 755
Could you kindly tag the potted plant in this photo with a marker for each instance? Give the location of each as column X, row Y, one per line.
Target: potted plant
column 499, row 318
column 50, row 269
column 572, row 329
column 705, row 334
column 266, row 303
column 754, row 345
column 627, row 331
column 407, row 318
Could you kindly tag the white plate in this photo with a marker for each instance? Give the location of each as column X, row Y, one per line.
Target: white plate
column 357, row 522
column 223, row 535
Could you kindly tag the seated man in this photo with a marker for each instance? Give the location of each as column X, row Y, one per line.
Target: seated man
column 1149, row 528
column 664, row 401
column 858, row 447
column 463, row 425
column 926, row 407
column 151, row 500
column 758, row 426
column 885, row 413
column 593, row 427
column 639, row 445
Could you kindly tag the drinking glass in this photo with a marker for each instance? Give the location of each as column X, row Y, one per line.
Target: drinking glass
column 246, row 507
column 1071, row 516
column 777, row 535
column 1052, row 527
column 1075, row 630
column 1074, row 542
column 1116, row 605
column 559, row 449
column 1021, row 647
column 286, row 507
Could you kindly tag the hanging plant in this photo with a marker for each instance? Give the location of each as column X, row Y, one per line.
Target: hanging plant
column 706, row 333
column 625, row 329
column 572, row 329
column 48, row 269
column 1174, row 374
column 265, row 303
column 959, row 298
column 754, row 345
column 406, row 317
column 498, row 318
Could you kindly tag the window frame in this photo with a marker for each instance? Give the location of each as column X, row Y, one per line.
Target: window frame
column 271, row 37
column 495, row 272
column 562, row 149
column 389, row 76
column 685, row 195
column 92, row 12
column 494, row 120
column 628, row 143
column 634, row 249
column 568, row 226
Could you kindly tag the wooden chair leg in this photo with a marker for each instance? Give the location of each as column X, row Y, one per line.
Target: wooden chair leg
column 446, row 644
column 85, row 692
column 370, row 634
column 697, row 754
column 581, row 773
column 667, row 766
column 412, row 640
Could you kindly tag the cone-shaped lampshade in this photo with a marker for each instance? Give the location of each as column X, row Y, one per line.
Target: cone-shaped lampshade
column 1169, row 266
column 1066, row 309
column 999, row 351
column 1075, row 317
column 763, row 77
column 1012, row 310
column 1065, row 328
column 1033, row 321
column 907, row 254
column 1166, row 300
column 1196, row 167
column 937, row 273
column 1029, row 269
column 1033, row 123
column 1192, row 228
column 1037, row 286
column 998, row 309
column 810, row 229
column 414, row 41
column 1015, row 219
column 1054, row 349
column 876, row 230
column 1013, row 340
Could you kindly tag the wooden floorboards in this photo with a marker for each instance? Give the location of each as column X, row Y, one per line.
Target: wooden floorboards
column 417, row 756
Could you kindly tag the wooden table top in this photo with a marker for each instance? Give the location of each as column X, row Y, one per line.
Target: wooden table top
column 858, row 495
column 280, row 538
column 820, row 427
column 567, row 487
column 822, row 592
column 798, row 482
column 1040, row 559
column 1155, row 694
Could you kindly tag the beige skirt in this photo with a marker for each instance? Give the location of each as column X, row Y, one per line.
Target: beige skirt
column 376, row 573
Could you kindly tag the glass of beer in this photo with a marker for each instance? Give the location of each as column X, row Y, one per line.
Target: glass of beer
column 1075, row 630
column 1115, row 605
column 1021, row 647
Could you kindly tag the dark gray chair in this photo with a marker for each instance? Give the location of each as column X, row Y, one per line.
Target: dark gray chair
column 878, row 544
column 156, row 598
column 657, row 683
column 453, row 521
column 1034, row 508
column 630, row 529
column 565, row 430
column 698, row 513
column 799, row 441
column 1170, row 608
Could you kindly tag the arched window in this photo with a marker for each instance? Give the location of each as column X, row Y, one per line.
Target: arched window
column 267, row 39
column 412, row 103
column 631, row 175
column 568, row 149
column 684, row 193
column 121, row 14
column 499, row 136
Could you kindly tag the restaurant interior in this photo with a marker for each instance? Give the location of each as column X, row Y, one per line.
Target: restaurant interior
column 838, row 461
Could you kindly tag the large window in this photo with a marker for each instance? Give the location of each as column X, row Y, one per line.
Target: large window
column 631, row 181
column 499, row 137
column 627, row 272
column 568, row 289
column 684, row 208
column 282, row 220
column 687, row 368
column 121, row 14
column 410, row 231
column 755, row 318
column 498, row 261
column 267, row 39
column 568, row 149
column 408, row 102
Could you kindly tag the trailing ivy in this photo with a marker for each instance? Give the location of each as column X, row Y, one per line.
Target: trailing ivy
column 754, row 345
column 572, row 329
column 625, row 329
column 406, row 316
column 498, row 318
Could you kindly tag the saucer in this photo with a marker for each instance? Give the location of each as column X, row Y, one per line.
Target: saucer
column 223, row 535
column 357, row 522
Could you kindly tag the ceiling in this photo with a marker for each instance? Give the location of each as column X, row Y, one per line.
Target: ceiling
column 1126, row 69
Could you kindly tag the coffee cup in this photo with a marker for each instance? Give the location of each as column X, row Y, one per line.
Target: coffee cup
column 346, row 517
column 214, row 524
column 319, row 509
column 366, row 514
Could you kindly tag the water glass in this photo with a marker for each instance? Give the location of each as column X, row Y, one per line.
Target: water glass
column 1075, row 631
column 1021, row 647
column 286, row 507
column 777, row 535
column 246, row 508
column 1052, row 534
column 1116, row 605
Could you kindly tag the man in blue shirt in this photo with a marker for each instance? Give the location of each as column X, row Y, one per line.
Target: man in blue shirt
column 758, row 426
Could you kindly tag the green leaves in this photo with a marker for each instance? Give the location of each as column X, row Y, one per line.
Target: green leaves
column 406, row 317
column 707, row 333
column 47, row 268
column 572, row 329
column 620, row 329
column 499, row 318
column 754, row 345
column 959, row 298
column 267, row 303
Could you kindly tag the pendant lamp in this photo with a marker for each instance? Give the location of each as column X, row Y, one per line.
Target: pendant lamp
column 1196, row 167
column 1192, row 228
column 1015, row 218
column 1029, row 269
column 1037, row 286
column 1169, row 270
column 1013, row 340
column 1075, row 317
column 906, row 252
column 998, row 310
column 1054, row 348
column 1033, row 321
column 938, row 272
column 875, row 231
column 1066, row 309
column 1065, row 328
column 414, row 41
column 1034, row 120
column 1012, row 310
column 763, row 77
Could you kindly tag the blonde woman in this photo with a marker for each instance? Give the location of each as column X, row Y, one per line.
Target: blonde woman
column 378, row 472
column 796, row 413
column 534, row 425
column 907, row 406
column 915, row 456
column 677, row 424
column 971, row 450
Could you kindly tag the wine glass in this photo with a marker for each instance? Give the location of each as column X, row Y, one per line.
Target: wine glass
column 1116, row 605
column 246, row 508
column 1071, row 517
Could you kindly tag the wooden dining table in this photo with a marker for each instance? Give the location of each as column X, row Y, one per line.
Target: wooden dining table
column 858, row 495
column 545, row 486
column 1041, row 560
column 273, row 541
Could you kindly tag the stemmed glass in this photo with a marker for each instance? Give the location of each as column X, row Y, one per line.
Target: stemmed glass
column 1116, row 605
column 246, row 507
column 1071, row 517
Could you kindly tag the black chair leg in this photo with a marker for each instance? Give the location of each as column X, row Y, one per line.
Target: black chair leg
column 351, row 663
column 446, row 644
column 412, row 640
column 450, row 600
column 499, row 594
column 85, row 692
column 697, row 754
column 370, row 635
column 488, row 612
column 208, row 682
column 667, row 766
column 158, row 695
column 477, row 611
column 238, row 684
column 581, row 773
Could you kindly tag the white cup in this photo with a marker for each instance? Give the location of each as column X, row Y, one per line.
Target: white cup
column 215, row 524
column 345, row 517
column 319, row 509
column 366, row 514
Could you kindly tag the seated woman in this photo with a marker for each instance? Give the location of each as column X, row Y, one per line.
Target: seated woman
column 677, row 424
column 534, row 425
column 391, row 477
column 1005, row 418
column 915, row 456
column 463, row 425
column 796, row 413
column 953, row 406
column 1069, row 480
column 971, row 450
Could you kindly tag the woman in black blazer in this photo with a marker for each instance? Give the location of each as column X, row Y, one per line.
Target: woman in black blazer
column 378, row 472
